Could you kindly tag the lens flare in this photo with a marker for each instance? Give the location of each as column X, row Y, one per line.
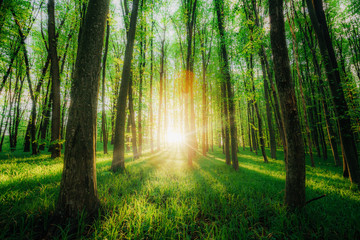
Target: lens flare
column 173, row 136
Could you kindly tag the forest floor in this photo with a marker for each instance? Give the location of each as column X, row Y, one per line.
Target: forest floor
column 161, row 197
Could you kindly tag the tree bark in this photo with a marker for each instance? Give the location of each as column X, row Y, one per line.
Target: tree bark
column 190, row 135
column 118, row 161
column 225, row 68
column 132, row 121
column 261, row 135
column 161, row 91
column 103, row 113
column 55, row 84
column 141, row 76
column 78, row 189
column 295, row 169
column 319, row 24
column 31, row 131
column 225, row 123
column 151, row 87
column 268, row 111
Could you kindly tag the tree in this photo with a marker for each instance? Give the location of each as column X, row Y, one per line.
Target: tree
column 55, row 84
column 295, row 168
column 350, row 155
column 103, row 113
column 118, row 161
column 190, row 135
column 225, row 70
column 78, row 189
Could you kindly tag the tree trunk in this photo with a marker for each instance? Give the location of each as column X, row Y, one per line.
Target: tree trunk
column 45, row 118
column 55, row 85
column 190, row 139
column 151, row 87
column 295, row 168
column 225, row 69
column 307, row 126
column 225, row 123
column 161, row 90
column 261, row 136
column 141, row 73
column 118, row 161
column 78, row 189
column 31, row 131
column 132, row 120
column 318, row 21
column 268, row 111
column 103, row 113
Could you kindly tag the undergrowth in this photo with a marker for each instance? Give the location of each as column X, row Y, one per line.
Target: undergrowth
column 161, row 197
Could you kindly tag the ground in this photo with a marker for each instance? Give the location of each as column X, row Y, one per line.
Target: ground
column 160, row 197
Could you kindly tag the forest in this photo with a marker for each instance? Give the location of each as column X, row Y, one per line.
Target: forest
column 179, row 119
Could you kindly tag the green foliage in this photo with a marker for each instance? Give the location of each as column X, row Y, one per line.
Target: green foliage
column 160, row 197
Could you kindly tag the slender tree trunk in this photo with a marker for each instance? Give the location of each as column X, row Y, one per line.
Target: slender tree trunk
column 127, row 137
column 225, row 123
column 32, row 121
column 132, row 120
column 204, row 115
column 119, row 138
column 303, row 101
column 190, row 135
column 103, row 113
column 141, row 73
column 261, row 136
column 295, row 168
column 151, row 87
column 55, row 86
column 45, row 118
column 268, row 111
column 161, row 93
column 226, row 73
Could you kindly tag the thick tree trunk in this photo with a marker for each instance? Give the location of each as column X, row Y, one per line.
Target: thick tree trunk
column 118, row 161
column 295, row 168
column 55, row 85
column 78, row 189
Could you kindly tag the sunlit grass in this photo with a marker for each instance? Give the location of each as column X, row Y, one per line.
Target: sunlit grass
column 160, row 197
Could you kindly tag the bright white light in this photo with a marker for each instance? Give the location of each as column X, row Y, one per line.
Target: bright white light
column 174, row 136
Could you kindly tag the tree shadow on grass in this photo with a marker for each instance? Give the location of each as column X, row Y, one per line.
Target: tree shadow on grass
column 30, row 200
column 330, row 217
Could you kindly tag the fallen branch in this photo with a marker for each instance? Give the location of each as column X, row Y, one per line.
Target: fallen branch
column 314, row 199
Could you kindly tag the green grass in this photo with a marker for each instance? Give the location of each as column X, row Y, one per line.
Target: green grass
column 160, row 197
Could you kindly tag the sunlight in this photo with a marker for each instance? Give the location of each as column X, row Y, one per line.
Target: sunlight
column 173, row 136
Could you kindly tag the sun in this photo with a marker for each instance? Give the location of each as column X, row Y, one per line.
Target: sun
column 173, row 136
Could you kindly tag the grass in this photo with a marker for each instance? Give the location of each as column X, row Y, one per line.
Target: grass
column 161, row 197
